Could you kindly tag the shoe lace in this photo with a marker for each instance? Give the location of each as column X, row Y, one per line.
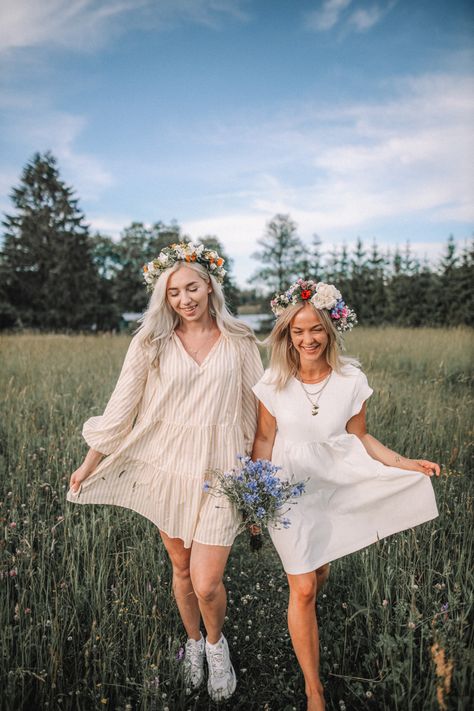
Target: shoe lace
column 217, row 662
column 193, row 653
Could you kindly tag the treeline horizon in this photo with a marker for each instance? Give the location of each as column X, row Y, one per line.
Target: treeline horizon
column 55, row 275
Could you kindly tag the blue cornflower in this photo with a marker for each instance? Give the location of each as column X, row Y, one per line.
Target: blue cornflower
column 298, row 489
column 206, row 486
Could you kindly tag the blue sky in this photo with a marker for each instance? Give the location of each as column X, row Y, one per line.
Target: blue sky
column 354, row 116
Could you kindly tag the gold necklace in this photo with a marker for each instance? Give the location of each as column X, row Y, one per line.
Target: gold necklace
column 314, row 403
column 193, row 353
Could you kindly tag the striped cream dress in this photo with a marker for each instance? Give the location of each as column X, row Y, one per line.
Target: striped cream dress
column 162, row 430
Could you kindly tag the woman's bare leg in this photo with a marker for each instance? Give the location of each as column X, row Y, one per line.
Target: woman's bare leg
column 303, row 628
column 182, row 586
column 322, row 574
column 207, row 569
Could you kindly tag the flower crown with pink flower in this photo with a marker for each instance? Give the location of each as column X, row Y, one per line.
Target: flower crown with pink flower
column 321, row 296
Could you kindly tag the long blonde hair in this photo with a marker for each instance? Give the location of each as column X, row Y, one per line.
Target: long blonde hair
column 285, row 359
column 160, row 319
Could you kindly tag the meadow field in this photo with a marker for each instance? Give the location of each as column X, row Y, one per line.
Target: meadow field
column 87, row 617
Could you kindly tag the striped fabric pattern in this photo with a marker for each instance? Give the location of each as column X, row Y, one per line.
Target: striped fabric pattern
column 163, row 431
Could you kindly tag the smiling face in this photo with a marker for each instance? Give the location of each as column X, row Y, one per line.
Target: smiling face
column 308, row 336
column 188, row 294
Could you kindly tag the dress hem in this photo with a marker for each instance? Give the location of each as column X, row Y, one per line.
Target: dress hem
column 353, row 548
column 129, row 508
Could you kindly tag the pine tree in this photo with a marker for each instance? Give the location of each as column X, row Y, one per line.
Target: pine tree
column 47, row 272
column 465, row 278
column 356, row 296
column 282, row 254
column 423, row 287
column 134, row 253
column 106, row 257
column 316, row 268
column 401, row 305
column 331, row 271
column 375, row 290
column 452, row 292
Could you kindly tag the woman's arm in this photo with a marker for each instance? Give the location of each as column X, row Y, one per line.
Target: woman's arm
column 106, row 432
column 265, row 435
column 252, row 370
column 377, row 450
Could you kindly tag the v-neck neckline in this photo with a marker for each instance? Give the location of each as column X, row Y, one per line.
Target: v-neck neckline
column 188, row 355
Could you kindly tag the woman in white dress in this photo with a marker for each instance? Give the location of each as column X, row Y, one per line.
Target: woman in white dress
column 183, row 405
column 312, row 422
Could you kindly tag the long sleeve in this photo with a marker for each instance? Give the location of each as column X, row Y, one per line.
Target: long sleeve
column 106, row 432
column 252, row 371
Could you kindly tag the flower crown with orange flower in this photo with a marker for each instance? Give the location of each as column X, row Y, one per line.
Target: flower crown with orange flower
column 183, row 252
column 321, row 296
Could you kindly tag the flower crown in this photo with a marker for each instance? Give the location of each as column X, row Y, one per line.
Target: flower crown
column 322, row 296
column 183, row 252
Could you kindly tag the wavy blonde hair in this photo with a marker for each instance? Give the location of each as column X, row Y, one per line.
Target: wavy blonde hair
column 160, row 319
column 285, row 359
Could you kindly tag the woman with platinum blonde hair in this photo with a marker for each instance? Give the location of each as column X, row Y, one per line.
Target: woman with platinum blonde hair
column 183, row 405
column 311, row 422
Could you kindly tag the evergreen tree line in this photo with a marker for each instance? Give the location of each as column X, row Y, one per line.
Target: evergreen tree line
column 382, row 287
column 56, row 275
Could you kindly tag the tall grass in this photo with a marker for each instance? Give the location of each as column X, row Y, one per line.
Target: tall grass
column 87, row 615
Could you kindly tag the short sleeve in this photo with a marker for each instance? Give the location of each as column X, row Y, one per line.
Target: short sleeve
column 265, row 393
column 106, row 432
column 362, row 391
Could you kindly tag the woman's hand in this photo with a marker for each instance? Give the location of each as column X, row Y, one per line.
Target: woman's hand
column 88, row 466
column 78, row 477
column 424, row 466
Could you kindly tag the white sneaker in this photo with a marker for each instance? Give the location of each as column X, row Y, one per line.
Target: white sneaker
column 194, row 662
column 222, row 681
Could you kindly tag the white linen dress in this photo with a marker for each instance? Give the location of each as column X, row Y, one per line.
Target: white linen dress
column 163, row 430
column 351, row 500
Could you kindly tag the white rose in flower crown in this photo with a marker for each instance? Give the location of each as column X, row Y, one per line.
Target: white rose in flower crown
column 198, row 248
column 326, row 296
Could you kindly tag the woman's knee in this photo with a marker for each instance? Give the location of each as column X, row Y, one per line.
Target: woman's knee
column 181, row 570
column 206, row 589
column 303, row 587
column 179, row 556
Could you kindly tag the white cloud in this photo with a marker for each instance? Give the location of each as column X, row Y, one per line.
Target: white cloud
column 60, row 132
column 332, row 13
column 365, row 18
column 356, row 168
column 88, row 24
column 111, row 225
column 239, row 230
column 326, row 16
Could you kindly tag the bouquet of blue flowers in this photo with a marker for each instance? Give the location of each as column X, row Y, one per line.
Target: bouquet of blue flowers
column 260, row 496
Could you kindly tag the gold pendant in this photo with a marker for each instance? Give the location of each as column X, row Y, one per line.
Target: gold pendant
column 315, row 409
